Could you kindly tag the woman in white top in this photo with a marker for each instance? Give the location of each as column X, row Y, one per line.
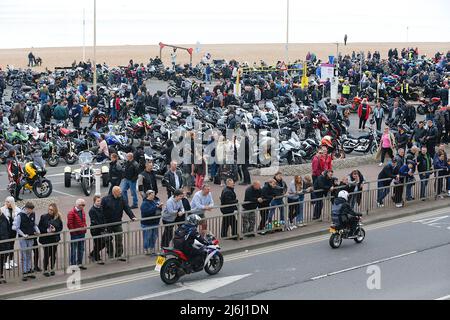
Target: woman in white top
column 10, row 211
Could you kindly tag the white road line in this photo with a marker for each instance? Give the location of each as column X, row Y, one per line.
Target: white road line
column 243, row 255
column 363, row 265
column 55, row 175
column 65, row 194
column 159, row 294
column 100, row 285
column 444, row 298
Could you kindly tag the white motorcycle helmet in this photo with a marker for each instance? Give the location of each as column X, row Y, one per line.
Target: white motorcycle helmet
column 344, row 195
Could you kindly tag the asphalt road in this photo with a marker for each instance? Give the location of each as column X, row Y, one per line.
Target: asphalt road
column 410, row 256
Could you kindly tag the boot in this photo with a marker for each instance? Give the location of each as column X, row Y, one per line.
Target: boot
column 16, row 196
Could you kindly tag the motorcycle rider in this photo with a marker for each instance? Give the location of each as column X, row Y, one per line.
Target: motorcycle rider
column 14, row 173
column 184, row 240
column 343, row 214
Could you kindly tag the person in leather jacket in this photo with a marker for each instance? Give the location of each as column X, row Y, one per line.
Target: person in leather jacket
column 184, row 240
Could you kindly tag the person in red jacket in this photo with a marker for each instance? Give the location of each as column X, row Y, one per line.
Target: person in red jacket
column 364, row 111
column 317, row 165
column 76, row 219
column 326, row 160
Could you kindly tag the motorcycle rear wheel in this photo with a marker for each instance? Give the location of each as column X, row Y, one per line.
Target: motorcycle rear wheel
column 215, row 264
column 169, row 271
column 335, row 240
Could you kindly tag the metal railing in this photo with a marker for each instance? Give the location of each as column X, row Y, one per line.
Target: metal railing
column 235, row 225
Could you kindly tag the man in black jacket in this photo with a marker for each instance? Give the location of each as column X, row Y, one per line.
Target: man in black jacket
column 147, row 180
column 419, row 134
column 115, row 172
column 253, row 198
column 431, row 138
column 98, row 218
column 227, row 198
column 244, row 158
column 424, row 166
column 323, row 185
column 130, row 176
column 173, row 179
column 113, row 207
column 401, row 138
column 385, row 177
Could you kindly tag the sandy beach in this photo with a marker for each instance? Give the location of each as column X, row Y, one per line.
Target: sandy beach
column 271, row 53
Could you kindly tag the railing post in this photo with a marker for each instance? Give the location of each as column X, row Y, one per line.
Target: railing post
column 369, row 198
column 405, row 185
column 239, row 222
column 65, row 251
column 128, row 248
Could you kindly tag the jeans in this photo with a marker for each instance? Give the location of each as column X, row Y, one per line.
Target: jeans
column 167, row 235
column 118, row 241
column 77, row 249
column 383, row 190
column 207, row 77
column 113, row 115
column 150, row 236
column 128, row 184
column 424, row 179
column 296, row 211
column 409, row 186
column 273, row 203
column 50, row 256
column 213, row 168
column 26, row 254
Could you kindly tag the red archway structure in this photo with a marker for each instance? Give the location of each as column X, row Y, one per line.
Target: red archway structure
column 162, row 45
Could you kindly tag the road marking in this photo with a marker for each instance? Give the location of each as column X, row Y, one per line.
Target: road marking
column 238, row 256
column 363, row 265
column 55, row 175
column 201, row 286
column 65, row 194
column 444, row 298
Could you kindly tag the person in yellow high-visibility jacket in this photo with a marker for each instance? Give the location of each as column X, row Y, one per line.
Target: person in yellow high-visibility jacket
column 346, row 90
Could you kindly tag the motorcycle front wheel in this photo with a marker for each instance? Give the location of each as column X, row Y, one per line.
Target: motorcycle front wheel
column 215, row 264
column 43, row 189
column 335, row 240
column 71, row 158
column 86, row 186
column 360, row 235
column 169, row 271
column 53, row 161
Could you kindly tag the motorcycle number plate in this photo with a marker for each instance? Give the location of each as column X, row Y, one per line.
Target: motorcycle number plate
column 159, row 263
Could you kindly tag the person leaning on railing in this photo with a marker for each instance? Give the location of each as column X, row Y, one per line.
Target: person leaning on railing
column 97, row 218
column 50, row 225
column 252, row 200
column 424, row 166
column 150, row 210
column 227, row 199
column 114, row 205
column 25, row 225
column 174, row 208
column 10, row 211
column 76, row 219
column 4, row 235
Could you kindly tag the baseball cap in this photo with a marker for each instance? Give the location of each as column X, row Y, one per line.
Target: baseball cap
column 149, row 192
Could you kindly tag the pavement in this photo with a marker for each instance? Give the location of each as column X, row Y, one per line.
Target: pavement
column 405, row 244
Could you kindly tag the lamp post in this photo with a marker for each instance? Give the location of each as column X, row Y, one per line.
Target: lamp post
column 95, row 46
column 287, row 34
column 84, row 35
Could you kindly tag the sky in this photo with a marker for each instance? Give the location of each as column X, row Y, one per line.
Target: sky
column 56, row 23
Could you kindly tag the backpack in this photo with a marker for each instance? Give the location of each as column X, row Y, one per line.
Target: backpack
column 179, row 238
column 335, row 213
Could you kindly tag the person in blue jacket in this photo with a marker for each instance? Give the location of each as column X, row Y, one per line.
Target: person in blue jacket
column 150, row 209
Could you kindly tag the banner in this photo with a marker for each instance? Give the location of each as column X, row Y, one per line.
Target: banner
column 326, row 72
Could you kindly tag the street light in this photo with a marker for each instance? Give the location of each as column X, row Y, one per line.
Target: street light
column 287, row 34
column 84, row 35
column 95, row 45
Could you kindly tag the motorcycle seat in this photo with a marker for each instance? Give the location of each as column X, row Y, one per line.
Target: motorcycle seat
column 357, row 138
column 66, row 132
